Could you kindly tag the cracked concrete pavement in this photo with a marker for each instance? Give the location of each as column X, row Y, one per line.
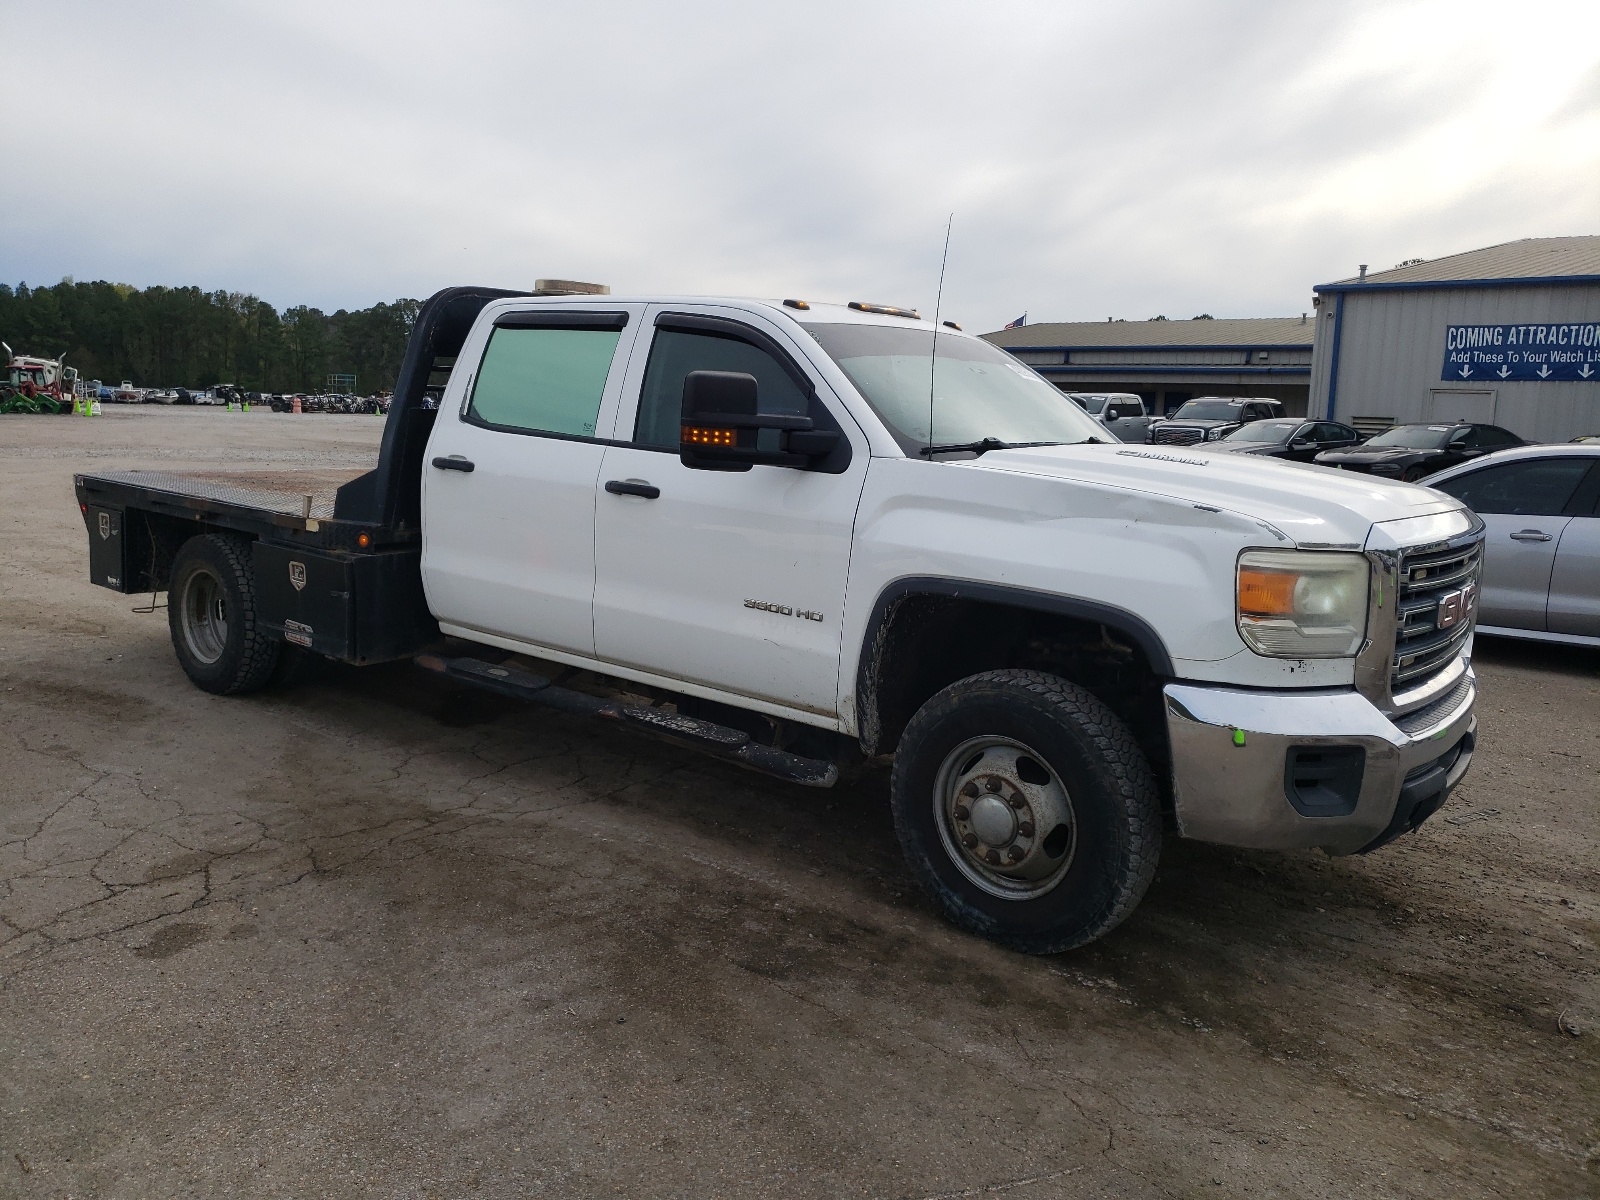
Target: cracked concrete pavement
column 377, row 935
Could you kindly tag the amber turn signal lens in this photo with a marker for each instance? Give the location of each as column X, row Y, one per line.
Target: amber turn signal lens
column 1266, row 593
column 364, row 540
column 695, row 435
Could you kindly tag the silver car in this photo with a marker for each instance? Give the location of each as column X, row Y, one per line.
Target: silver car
column 1541, row 571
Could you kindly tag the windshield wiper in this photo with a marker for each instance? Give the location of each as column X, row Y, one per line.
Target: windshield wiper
column 987, row 444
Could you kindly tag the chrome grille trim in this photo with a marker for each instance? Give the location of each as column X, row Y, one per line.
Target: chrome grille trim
column 1178, row 437
column 1439, row 712
column 1423, row 575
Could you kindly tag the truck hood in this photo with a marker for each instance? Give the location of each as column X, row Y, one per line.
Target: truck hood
column 1308, row 505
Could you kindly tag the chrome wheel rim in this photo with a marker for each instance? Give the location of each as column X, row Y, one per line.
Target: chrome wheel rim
column 204, row 617
column 1005, row 817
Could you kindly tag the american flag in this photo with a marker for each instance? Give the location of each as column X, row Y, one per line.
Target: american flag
column 1019, row 322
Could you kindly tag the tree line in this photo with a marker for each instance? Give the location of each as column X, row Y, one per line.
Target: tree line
column 186, row 337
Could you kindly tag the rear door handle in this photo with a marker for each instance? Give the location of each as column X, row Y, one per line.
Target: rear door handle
column 454, row 463
column 1530, row 535
column 632, row 487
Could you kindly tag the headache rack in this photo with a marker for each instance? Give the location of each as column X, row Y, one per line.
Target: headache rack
column 1422, row 650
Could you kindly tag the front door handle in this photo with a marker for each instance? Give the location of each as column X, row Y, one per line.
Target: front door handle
column 1530, row 535
column 454, row 463
column 632, row 487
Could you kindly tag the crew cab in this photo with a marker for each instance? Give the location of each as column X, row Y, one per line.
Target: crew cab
column 798, row 536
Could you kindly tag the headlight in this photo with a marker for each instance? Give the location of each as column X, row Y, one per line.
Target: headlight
column 1213, row 434
column 1303, row 603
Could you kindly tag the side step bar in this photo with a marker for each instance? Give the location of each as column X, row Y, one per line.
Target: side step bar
column 720, row 741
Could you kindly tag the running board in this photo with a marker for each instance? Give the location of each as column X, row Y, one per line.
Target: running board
column 720, row 741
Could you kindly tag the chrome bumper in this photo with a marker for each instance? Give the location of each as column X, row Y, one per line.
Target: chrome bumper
column 1230, row 765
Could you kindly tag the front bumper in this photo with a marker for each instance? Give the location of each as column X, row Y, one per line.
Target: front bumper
column 1235, row 755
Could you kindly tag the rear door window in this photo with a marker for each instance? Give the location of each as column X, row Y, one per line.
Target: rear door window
column 1539, row 487
column 547, row 380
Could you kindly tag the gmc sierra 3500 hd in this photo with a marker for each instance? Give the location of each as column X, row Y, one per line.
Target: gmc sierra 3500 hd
column 728, row 523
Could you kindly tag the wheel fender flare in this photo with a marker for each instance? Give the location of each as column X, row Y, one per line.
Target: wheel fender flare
column 1132, row 626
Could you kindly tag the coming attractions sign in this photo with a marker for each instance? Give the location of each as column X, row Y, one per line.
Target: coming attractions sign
column 1541, row 353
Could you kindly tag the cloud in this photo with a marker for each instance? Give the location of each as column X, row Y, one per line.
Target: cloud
column 1101, row 160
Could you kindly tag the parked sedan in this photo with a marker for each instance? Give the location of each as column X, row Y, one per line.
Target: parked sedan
column 1294, row 438
column 1541, row 571
column 1410, row 452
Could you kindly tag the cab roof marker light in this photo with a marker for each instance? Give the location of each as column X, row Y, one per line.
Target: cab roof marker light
column 887, row 310
column 951, row 325
column 800, row 304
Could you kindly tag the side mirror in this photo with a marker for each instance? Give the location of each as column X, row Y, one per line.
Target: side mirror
column 1301, row 444
column 721, row 424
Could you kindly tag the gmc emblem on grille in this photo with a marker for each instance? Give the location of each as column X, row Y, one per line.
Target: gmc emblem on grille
column 1455, row 607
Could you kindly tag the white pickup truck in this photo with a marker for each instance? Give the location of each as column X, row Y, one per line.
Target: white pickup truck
column 729, row 523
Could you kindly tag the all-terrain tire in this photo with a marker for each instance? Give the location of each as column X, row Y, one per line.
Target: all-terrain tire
column 1114, row 802
column 211, row 614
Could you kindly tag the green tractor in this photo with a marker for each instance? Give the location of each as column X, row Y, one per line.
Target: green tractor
column 36, row 385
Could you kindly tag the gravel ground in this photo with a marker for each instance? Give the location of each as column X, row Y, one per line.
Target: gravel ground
column 374, row 935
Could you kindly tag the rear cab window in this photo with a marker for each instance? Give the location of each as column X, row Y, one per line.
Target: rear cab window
column 545, row 373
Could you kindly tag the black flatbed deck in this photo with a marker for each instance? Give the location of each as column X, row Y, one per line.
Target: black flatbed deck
column 296, row 506
column 337, row 551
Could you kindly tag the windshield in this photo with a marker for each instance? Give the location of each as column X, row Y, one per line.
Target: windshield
column 1094, row 405
column 1263, row 431
column 1207, row 410
column 979, row 391
column 1412, row 437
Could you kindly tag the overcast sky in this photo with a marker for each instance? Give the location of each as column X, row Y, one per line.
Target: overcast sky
column 1101, row 159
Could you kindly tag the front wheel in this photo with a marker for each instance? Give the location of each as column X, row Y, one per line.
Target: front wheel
column 1026, row 810
column 211, row 613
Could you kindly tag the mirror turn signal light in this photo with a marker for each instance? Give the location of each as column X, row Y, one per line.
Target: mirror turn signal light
column 1266, row 593
column 698, row 435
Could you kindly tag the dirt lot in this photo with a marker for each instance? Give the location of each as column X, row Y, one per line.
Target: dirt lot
column 375, row 935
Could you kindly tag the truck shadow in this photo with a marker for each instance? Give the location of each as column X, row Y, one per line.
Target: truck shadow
column 1263, row 944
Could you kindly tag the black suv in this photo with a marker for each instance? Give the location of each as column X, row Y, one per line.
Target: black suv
column 1410, row 452
column 1210, row 418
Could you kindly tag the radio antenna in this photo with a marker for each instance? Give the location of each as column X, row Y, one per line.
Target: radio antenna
column 933, row 359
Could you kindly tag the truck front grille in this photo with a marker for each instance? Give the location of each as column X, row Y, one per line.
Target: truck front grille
column 1428, row 584
column 1178, row 437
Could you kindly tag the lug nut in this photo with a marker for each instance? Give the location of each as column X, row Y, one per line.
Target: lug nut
column 1025, row 829
column 963, row 813
column 993, row 858
column 970, row 841
column 1017, row 801
column 991, row 784
column 1015, row 853
column 970, row 790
